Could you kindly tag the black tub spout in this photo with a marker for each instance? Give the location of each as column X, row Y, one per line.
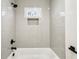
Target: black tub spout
column 13, row 48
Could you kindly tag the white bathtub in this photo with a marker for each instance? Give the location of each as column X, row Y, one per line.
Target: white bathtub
column 33, row 53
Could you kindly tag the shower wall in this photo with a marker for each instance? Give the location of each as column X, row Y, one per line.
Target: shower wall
column 32, row 36
column 57, row 24
column 7, row 27
column 71, row 28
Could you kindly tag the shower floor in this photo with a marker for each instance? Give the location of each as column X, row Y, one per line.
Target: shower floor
column 33, row 53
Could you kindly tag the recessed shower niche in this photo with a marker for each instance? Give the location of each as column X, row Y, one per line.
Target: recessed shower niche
column 32, row 14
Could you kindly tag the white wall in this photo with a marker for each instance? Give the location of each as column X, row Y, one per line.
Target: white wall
column 58, row 27
column 29, row 36
column 71, row 27
column 8, row 27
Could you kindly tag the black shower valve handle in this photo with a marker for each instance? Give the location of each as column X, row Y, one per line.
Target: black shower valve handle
column 12, row 41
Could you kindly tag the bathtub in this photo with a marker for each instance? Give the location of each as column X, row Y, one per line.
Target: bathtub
column 33, row 53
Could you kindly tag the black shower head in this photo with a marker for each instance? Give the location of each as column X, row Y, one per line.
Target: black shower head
column 14, row 5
